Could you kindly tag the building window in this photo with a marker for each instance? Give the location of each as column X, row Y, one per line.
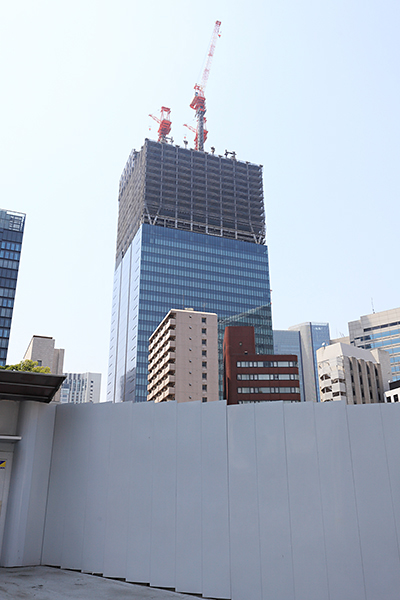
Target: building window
column 204, row 375
column 204, row 352
column 204, row 388
column 204, row 399
column 204, row 365
column 203, row 320
column 204, row 331
column 204, row 342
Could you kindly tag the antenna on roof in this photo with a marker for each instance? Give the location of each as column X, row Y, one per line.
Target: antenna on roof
column 372, row 304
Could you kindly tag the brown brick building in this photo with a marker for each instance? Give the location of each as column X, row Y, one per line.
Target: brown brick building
column 251, row 377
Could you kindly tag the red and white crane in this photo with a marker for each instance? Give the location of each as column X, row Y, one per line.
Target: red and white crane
column 199, row 101
column 164, row 122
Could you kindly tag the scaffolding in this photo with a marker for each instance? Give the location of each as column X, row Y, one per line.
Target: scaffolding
column 168, row 186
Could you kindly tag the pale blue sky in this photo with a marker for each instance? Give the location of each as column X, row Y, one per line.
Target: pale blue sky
column 308, row 89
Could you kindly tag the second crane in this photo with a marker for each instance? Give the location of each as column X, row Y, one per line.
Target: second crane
column 199, row 101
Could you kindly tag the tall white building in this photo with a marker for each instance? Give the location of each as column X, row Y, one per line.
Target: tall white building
column 352, row 374
column 379, row 330
column 183, row 357
column 312, row 337
column 81, row 387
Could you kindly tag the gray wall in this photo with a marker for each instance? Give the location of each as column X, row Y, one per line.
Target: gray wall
column 26, row 509
column 262, row 501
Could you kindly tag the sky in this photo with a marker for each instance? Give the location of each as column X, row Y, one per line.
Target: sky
column 308, row 89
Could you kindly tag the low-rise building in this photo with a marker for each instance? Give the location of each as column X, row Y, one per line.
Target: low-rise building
column 251, row 377
column 183, row 358
column 393, row 394
column 352, row 374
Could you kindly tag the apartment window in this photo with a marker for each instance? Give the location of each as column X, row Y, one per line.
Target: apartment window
column 204, row 352
column 204, row 375
column 204, row 399
column 204, row 342
column 203, row 320
column 204, row 330
column 204, row 388
column 204, row 365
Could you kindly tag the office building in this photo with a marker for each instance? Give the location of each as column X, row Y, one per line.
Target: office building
column 80, row 387
column 312, row 337
column 289, row 342
column 260, row 319
column 352, row 374
column 191, row 232
column 183, row 358
column 42, row 349
column 379, row 330
column 253, row 377
column 11, row 233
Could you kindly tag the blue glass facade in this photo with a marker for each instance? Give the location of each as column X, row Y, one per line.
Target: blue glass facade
column 11, row 234
column 168, row 268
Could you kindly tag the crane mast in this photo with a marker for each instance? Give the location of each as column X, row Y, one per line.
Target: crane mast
column 199, row 101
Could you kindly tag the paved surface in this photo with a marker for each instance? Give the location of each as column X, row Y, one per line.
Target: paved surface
column 47, row 583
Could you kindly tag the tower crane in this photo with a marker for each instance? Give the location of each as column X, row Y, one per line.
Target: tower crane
column 196, row 139
column 164, row 122
column 199, row 101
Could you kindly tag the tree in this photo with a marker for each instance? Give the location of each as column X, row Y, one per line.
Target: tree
column 27, row 365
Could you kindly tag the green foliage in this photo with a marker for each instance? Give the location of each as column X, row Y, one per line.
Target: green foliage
column 27, row 365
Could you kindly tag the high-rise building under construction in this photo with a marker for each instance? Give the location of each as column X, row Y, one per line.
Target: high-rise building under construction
column 191, row 233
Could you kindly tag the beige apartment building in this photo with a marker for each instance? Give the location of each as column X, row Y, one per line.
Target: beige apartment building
column 353, row 374
column 183, row 358
column 42, row 349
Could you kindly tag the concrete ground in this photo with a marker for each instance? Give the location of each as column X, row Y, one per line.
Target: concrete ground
column 47, row 583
